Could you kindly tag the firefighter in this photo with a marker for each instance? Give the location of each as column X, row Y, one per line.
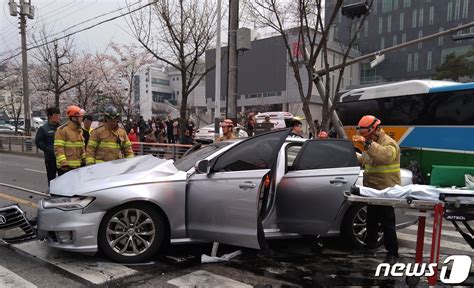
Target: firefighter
column 109, row 141
column 69, row 142
column 227, row 129
column 381, row 162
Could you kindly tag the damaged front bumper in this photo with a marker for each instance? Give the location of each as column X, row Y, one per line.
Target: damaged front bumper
column 14, row 226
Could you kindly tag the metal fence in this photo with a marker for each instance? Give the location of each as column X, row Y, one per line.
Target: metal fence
column 25, row 144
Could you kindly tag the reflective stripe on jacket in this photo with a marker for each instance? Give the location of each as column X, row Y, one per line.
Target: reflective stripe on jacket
column 382, row 163
column 69, row 145
column 107, row 145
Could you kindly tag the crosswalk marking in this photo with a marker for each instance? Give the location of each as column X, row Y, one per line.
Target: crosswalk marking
column 77, row 264
column 444, row 243
column 8, row 279
column 201, row 278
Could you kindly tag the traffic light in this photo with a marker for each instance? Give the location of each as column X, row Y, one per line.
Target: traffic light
column 355, row 10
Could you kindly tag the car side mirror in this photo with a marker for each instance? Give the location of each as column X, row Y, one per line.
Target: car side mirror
column 203, row 167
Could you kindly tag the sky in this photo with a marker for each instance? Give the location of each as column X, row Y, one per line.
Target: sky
column 57, row 15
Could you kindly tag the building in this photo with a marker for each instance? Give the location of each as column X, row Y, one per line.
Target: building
column 157, row 93
column 266, row 80
column 393, row 22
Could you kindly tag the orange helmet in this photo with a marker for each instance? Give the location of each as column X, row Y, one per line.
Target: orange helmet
column 323, row 135
column 367, row 125
column 227, row 123
column 74, row 111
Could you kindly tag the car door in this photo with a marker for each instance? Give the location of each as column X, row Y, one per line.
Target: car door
column 310, row 195
column 222, row 206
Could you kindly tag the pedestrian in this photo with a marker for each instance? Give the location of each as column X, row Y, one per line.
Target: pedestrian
column 44, row 140
column 142, row 128
column 227, row 130
column 190, row 126
column 150, row 138
column 169, row 130
column 317, row 127
column 250, row 126
column 381, row 162
column 69, row 142
column 133, row 137
column 296, row 130
column 176, row 130
column 109, row 141
column 188, row 138
column 86, row 130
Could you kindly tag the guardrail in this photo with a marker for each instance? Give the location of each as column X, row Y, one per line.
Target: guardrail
column 26, row 144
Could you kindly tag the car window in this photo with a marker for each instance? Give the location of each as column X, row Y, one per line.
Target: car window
column 328, row 153
column 291, row 152
column 187, row 162
column 252, row 154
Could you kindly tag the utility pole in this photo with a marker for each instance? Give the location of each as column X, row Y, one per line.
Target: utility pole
column 217, row 98
column 26, row 10
column 231, row 102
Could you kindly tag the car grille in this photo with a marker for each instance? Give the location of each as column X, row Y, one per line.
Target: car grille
column 12, row 218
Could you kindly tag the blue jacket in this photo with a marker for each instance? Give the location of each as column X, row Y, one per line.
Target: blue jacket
column 44, row 140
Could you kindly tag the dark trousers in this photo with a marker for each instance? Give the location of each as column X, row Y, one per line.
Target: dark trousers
column 385, row 217
column 51, row 169
column 171, row 138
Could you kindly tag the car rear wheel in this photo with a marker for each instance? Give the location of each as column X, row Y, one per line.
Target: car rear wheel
column 354, row 227
column 131, row 233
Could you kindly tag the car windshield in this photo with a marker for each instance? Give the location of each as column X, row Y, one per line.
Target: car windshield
column 187, row 162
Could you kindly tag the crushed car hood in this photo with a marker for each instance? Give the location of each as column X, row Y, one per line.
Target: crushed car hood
column 113, row 174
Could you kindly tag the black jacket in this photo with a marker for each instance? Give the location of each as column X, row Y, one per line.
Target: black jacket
column 44, row 140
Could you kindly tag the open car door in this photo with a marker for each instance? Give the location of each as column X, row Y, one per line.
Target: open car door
column 222, row 206
column 310, row 195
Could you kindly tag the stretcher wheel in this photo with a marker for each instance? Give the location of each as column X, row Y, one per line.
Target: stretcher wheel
column 412, row 281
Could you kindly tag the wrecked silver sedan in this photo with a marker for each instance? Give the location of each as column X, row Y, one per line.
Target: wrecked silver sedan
column 131, row 208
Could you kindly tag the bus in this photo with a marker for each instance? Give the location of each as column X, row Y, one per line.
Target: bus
column 432, row 121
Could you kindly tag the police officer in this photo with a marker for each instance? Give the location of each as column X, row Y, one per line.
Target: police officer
column 109, row 141
column 69, row 142
column 381, row 162
column 44, row 140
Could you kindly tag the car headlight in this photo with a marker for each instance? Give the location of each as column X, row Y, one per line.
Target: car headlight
column 67, row 203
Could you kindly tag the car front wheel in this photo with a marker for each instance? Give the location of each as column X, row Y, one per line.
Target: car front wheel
column 354, row 227
column 131, row 233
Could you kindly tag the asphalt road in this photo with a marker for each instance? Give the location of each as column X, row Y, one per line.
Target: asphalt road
column 295, row 262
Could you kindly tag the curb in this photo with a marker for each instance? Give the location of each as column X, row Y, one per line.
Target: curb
column 37, row 155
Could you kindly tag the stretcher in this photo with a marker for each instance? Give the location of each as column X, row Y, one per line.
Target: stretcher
column 457, row 208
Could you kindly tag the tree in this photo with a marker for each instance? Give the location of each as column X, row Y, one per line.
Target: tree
column 300, row 24
column 119, row 71
column 55, row 66
column 456, row 66
column 11, row 85
column 178, row 33
column 88, row 68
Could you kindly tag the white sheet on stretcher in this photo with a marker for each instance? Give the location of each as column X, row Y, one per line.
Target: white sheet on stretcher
column 415, row 191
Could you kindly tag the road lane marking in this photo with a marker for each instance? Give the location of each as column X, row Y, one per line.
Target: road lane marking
column 82, row 266
column 8, row 279
column 33, row 170
column 444, row 243
column 23, row 189
column 18, row 200
column 203, row 278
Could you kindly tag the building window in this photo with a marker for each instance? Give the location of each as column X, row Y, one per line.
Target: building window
column 429, row 60
column 404, row 39
column 387, row 6
column 431, row 17
column 471, row 30
column 413, row 23
column 395, row 4
column 158, row 81
column 374, row 6
column 420, row 17
column 415, row 61
column 395, row 40
column 389, row 23
column 449, row 15
column 465, row 9
column 366, row 29
column 406, row 3
column 420, row 34
column 402, row 20
column 440, row 39
column 380, row 25
column 457, row 9
column 382, row 43
column 409, row 63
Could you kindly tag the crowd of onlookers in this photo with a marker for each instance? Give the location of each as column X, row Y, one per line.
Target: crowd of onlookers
column 157, row 130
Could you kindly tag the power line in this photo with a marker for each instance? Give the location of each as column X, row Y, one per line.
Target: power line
column 79, row 31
